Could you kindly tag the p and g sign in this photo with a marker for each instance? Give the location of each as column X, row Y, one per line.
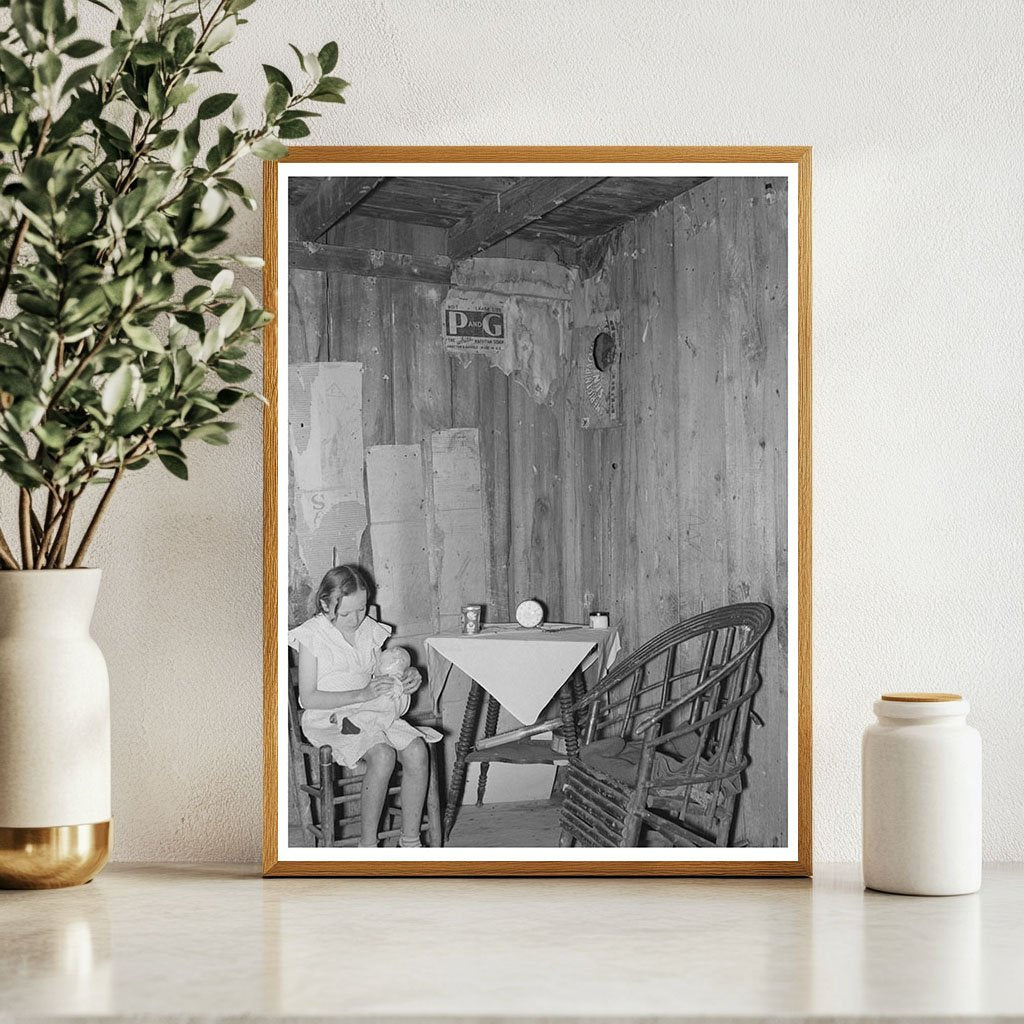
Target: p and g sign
column 473, row 330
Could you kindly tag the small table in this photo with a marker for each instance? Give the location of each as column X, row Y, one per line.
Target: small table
column 521, row 670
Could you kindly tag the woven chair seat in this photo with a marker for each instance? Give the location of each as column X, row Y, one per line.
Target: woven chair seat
column 620, row 759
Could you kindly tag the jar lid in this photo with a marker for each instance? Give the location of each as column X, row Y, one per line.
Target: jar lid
column 921, row 698
column 921, row 705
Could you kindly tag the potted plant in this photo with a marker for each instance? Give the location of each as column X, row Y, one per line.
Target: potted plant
column 122, row 343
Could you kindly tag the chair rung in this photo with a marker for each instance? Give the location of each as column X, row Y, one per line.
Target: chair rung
column 589, row 829
column 609, row 804
column 384, row 833
column 393, row 791
column 577, row 788
column 680, row 835
column 568, row 824
column 611, row 788
column 586, row 812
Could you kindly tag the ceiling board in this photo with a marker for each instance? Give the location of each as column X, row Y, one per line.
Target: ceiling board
column 452, row 202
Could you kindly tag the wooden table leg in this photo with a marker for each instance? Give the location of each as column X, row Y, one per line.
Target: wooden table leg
column 578, row 685
column 490, row 728
column 462, row 748
column 566, row 699
column 573, row 691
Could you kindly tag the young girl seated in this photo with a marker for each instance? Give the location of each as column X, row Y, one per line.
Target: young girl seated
column 355, row 710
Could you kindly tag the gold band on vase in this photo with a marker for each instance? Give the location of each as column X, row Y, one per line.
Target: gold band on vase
column 52, row 857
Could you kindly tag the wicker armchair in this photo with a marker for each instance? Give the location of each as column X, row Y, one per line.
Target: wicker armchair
column 665, row 737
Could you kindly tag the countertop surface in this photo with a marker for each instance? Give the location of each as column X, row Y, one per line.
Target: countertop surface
column 176, row 942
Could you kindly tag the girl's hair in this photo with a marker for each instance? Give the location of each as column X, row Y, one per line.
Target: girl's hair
column 339, row 582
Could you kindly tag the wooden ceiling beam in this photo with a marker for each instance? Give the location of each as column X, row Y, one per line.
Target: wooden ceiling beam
column 504, row 214
column 330, row 200
column 346, row 259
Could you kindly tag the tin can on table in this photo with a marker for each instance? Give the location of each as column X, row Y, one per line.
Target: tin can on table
column 471, row 618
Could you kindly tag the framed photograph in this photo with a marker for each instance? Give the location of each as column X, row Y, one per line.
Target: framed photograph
column 538, row 511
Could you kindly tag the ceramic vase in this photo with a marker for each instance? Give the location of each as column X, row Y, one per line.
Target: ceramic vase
column 54, row 731
column 921, row 770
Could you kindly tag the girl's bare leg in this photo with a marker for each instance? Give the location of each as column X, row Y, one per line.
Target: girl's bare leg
column 415, row 775
column 380, row 763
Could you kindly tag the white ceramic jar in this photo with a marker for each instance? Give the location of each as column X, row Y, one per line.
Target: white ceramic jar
column 921, row 779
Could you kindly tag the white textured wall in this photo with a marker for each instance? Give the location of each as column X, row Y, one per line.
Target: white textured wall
column 914, row 114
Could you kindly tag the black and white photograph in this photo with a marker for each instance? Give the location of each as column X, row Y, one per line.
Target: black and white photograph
column 537, row 558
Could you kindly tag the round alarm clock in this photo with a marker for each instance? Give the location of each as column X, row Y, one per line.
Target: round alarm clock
column 530, row 614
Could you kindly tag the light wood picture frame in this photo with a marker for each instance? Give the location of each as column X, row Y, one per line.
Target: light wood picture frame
column 616, row 341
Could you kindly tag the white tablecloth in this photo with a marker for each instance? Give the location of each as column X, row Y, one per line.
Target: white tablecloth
column 522, row 668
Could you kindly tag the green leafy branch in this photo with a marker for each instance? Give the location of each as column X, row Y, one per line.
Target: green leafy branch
column 129, row 335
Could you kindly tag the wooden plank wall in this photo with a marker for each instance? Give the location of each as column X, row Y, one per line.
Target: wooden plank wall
column 692, row 485
column 411, row 387
column 457, row 556
column 327, row 511
column 398, row 536
column 680, row 508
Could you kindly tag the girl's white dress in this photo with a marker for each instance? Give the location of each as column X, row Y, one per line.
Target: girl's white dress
column 341, row 667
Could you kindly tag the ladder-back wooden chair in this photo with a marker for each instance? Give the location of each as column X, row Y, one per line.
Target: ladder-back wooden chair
column 330, row 794
column 664, row 737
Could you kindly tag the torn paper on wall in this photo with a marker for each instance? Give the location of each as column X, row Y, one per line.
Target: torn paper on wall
column 325, row 448
column 535, row 299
